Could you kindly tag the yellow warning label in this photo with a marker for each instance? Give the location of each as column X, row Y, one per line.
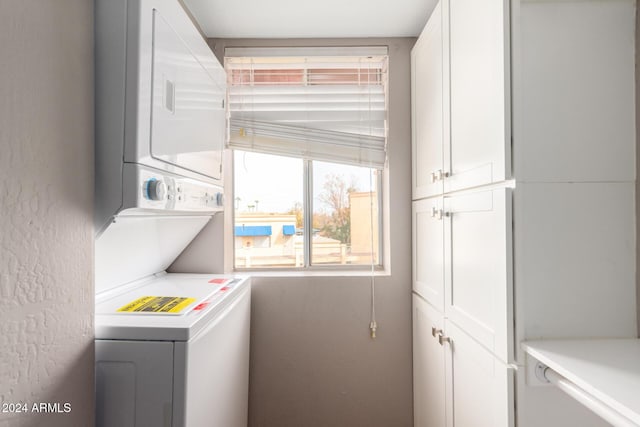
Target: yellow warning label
column 157, row 305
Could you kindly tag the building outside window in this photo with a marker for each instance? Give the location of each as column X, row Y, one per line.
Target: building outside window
column 309, row 141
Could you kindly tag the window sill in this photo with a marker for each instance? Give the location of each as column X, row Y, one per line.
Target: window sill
column 312, row 273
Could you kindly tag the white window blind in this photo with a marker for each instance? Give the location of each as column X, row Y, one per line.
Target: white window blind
column 329, row 108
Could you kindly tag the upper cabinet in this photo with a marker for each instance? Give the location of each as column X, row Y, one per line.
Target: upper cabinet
column 526, row 90
column 479, row 147
column 428, row 125
column 460, row 98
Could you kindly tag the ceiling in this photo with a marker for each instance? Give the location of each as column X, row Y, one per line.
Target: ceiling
column 310, row 18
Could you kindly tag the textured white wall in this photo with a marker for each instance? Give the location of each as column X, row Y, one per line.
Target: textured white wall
column 46, row 199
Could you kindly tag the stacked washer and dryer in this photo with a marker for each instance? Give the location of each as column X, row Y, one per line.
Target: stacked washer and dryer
column 172, row 350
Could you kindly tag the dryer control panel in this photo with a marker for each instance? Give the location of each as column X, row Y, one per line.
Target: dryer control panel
column 148, row 188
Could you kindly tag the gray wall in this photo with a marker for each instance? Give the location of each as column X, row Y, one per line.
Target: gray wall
column 312, row 361
column 46, row 198
column 637, row 159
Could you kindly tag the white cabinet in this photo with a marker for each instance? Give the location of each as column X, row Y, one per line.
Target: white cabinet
column 479, row 386
column 478, row 268
column 428, row 366
column 536, row 91
column 479, row 150
column 428, row 251
column 457, row 382
column 524, row 210
column 460, row 98
column 428, row 127
column 461, row 265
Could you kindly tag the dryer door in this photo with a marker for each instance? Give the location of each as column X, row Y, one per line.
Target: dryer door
column 187, row 114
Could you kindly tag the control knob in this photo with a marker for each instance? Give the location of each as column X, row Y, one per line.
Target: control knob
column 155, row 189
column 219, row 199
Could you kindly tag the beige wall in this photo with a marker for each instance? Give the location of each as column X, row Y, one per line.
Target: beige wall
column 637, row 160
column 312, row 361
column 46, row 199
column 362, row 217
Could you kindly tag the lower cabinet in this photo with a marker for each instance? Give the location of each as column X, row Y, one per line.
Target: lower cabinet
column 457, row 382
column 428, row 250
column 428, row 366
column 462, row 263
column 478, row 267
column 479, row 387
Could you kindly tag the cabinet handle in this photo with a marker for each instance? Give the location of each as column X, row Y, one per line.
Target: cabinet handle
column 443, row 339
column 436, row 213
column 439, row 213
column 435, row 332
column 439, row 175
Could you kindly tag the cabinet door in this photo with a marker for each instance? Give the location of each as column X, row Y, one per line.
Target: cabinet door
column 478, row 267
column 428, row 366
column 480, row 388
column 480, row 145
column 428, row 247
column 426, row 108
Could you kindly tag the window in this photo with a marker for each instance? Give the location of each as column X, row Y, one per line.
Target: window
column 268, row 195
column 309, row 141
column 345, row 214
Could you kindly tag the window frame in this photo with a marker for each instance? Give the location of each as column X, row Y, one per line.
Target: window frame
column 383, row 264
column 307, row 206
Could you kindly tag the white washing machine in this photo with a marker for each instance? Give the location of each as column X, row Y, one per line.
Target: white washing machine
column 172, row 350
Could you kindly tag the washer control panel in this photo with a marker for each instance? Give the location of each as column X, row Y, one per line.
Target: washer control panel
column 160, row 190
column 155, row 189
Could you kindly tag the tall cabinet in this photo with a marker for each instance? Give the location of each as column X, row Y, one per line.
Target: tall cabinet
column 523, row 186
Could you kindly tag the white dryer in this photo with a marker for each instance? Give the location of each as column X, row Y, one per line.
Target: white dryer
column 160, row 113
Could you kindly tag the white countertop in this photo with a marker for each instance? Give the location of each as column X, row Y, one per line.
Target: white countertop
column 608, row 369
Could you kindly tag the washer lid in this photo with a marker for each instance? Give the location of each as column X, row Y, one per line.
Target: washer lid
column 135, row 247
column 167, row 307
